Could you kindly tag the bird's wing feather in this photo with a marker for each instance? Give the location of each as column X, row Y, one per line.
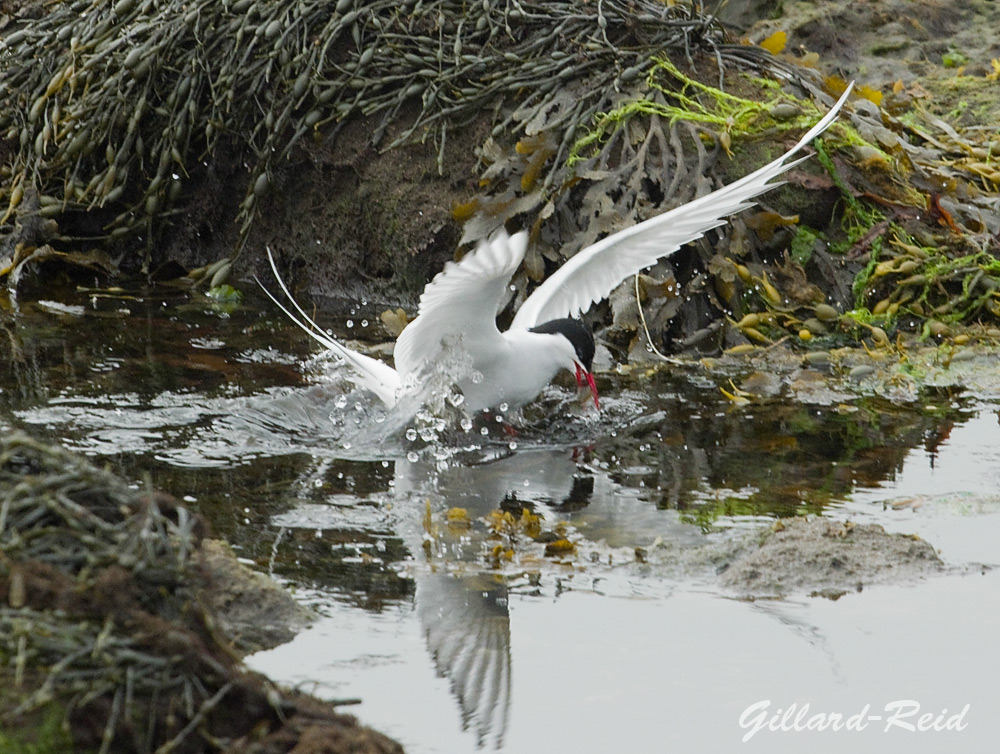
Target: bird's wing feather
column 369, row 373
column 594, row 272
column 461, row 301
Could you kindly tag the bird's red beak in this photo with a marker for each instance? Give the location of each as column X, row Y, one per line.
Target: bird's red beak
column 583, row 377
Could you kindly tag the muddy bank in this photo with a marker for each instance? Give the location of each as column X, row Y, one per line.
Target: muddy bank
column 939, row 54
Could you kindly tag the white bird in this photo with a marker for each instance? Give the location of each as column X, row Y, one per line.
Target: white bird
column 458, row 307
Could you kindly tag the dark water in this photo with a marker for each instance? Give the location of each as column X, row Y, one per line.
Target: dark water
column 460, row 634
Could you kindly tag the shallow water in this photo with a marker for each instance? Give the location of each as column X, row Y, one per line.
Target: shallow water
column 454, row 647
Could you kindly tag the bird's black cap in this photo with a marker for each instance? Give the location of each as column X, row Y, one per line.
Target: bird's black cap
column 576, row 332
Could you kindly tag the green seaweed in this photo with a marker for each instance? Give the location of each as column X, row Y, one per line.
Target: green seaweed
column 858, row 217
column 684, row 100
column 954, row 59
column 49, row 736
column 860, row 285
column 803, row 243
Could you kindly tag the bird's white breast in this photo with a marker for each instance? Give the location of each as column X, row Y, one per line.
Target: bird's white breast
column 516, row 372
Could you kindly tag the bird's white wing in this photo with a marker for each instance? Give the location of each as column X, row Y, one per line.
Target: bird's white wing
column 595, row 271
column 461, row 301
column 369, row 373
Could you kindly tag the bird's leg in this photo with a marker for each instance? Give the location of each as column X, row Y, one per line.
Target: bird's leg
column 493, row 419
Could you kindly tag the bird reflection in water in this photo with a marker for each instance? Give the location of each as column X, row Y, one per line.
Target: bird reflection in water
column 464, row 609
column 467, row 627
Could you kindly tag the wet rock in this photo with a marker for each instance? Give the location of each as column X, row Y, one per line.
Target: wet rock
column 824, row 556
column 252, row 609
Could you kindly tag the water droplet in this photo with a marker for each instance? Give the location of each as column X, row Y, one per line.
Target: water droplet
column 341, row 401
column 476, row 377
column 456, row 399
column 512, row 445
column 385, row 464
column 503, row 408
column 350, row 324
column 364, row 323
column 484, row 431
column 411, row 434
column 412, row 456
column 466, row 423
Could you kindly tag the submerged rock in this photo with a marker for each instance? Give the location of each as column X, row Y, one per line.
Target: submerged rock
column 828, row 558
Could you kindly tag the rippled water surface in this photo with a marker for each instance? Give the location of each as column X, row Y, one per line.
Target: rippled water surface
column 472, row 630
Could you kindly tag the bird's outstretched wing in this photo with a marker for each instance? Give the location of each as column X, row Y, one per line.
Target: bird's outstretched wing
column 461, row 302
column 595, row 271
column 369, row 373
